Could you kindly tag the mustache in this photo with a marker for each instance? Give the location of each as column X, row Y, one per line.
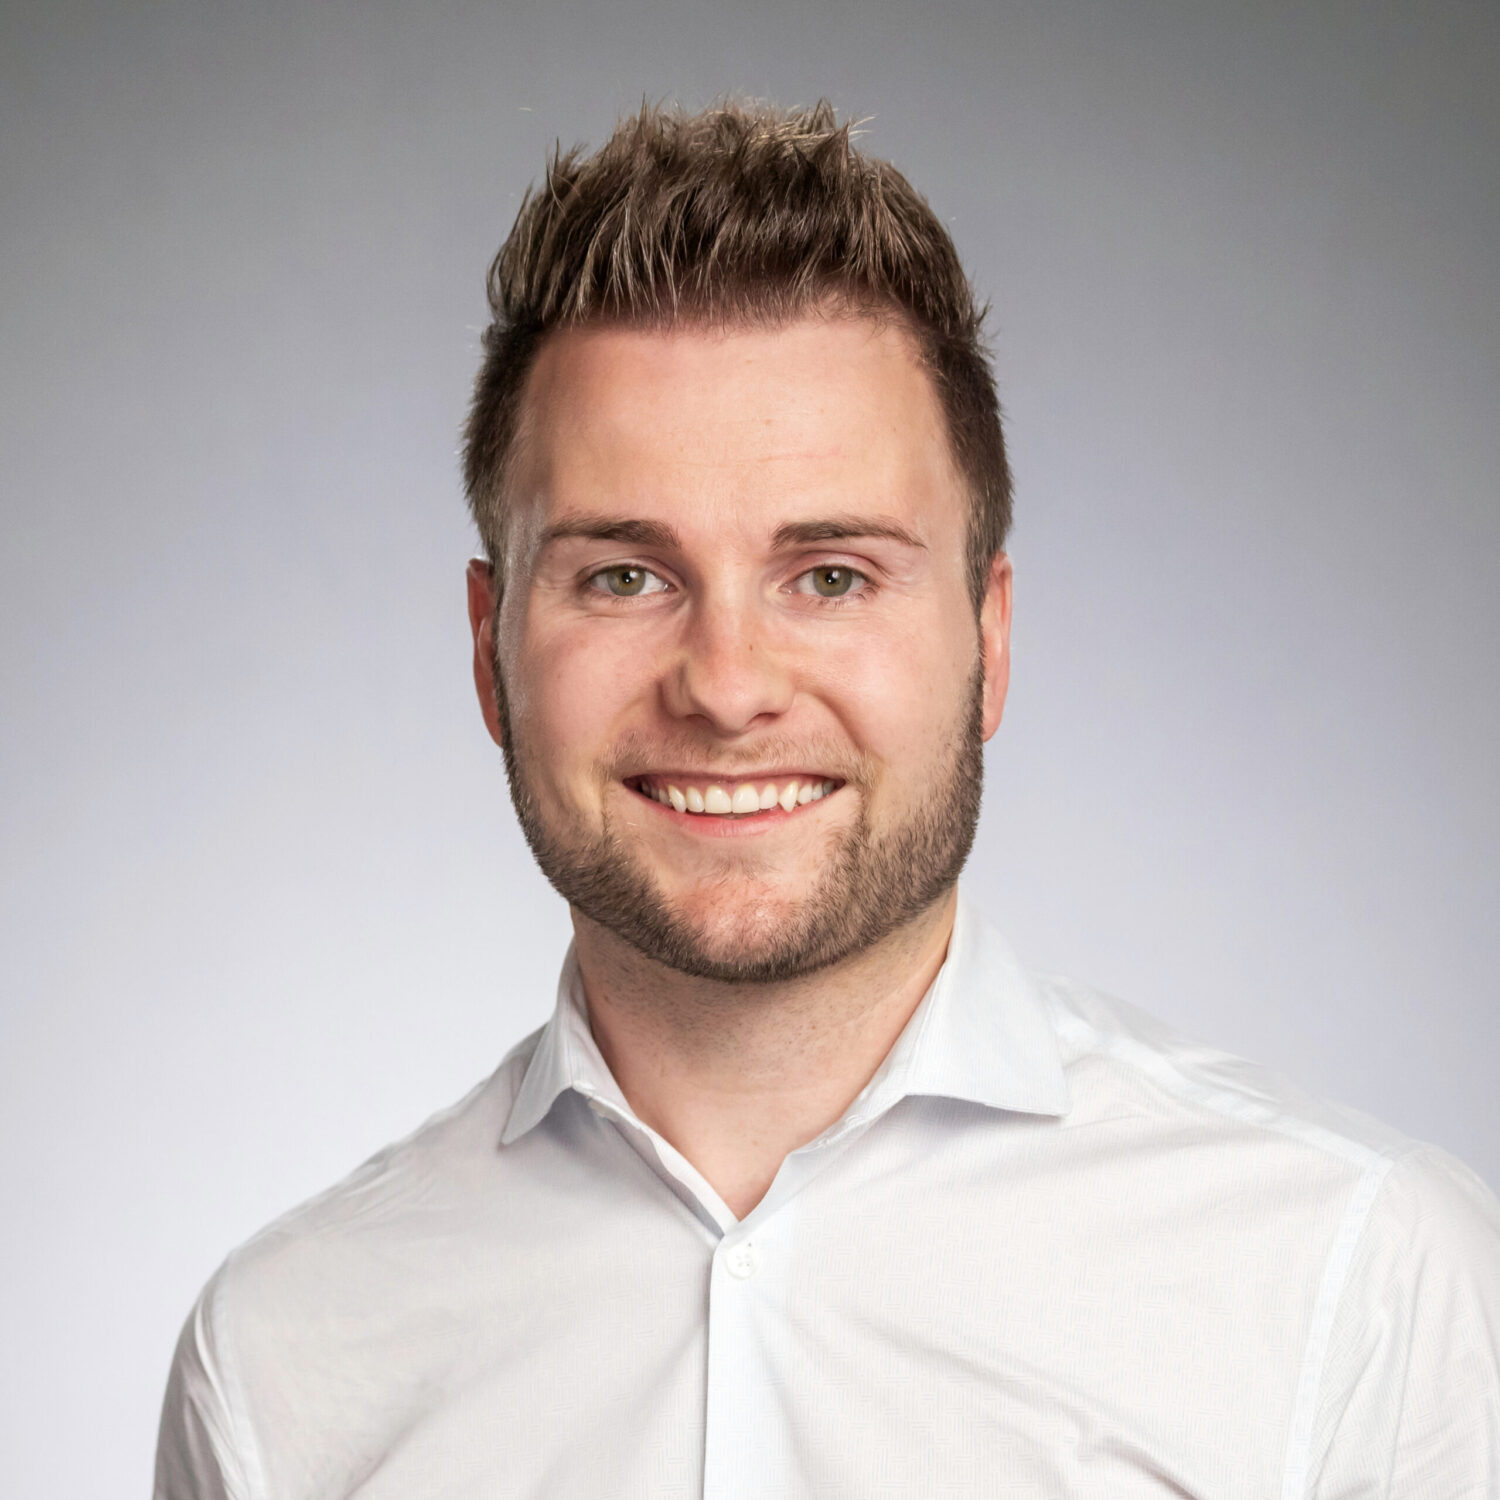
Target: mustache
column 638, row 755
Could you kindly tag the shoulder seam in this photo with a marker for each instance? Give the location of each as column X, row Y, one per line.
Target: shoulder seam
column 1336, row 1268
column 1226, row 1102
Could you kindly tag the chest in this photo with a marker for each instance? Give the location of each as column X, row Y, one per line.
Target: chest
column 1051, row 1323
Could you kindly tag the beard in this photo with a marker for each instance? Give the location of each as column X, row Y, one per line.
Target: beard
column 871, row 885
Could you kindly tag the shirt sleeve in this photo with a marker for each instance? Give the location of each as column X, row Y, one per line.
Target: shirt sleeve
column 197, row 1457
column 1410, row 1394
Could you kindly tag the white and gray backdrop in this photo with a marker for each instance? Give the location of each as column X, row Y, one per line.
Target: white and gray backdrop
column 264, row 904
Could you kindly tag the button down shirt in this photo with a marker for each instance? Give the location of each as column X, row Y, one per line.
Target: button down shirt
column 1052, row 1250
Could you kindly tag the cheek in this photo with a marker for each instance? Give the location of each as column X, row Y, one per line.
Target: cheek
column 570, row 691
column 902, row 695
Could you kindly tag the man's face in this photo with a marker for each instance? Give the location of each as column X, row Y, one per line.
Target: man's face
column 736, row 580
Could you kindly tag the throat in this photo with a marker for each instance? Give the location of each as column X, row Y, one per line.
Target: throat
column 735, row 1077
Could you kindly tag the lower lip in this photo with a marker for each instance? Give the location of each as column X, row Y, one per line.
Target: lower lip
column 731, row 825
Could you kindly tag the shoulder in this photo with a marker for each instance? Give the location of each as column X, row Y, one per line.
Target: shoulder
column 1336, row 1180
column 416, row 1171
column 1439, row 1203
column 1387, row 1247
column 412, row 1186
column 1407, row 1390
column 284, row 1300
column 1431, row 1251
column 1121, row 1058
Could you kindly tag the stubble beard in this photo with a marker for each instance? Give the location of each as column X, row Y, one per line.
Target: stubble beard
column 871, row 884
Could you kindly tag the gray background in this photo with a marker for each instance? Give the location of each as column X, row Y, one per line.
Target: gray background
column 264, row 904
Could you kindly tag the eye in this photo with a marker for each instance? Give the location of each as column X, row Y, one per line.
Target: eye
column 832, row 581
column 626, row 581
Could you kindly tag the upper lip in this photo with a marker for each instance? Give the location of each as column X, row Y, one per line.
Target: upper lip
column 735, row 776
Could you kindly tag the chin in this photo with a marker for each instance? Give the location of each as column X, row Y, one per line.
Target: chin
column 732, row 917
column 745, row 931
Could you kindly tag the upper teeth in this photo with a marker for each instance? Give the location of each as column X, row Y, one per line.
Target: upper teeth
column 743, row 798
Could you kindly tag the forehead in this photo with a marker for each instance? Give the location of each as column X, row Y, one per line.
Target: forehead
column 745, row 428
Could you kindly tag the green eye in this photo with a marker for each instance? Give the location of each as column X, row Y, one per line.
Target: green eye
column 623, row 582
column 832, row 583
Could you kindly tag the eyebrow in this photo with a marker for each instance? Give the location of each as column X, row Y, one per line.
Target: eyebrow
column 843, row 528
column 640, row 533
column 612, row 529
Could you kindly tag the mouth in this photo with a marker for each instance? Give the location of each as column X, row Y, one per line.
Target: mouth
column 761, row 796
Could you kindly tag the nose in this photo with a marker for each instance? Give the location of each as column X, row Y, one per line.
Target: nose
column 729, row 672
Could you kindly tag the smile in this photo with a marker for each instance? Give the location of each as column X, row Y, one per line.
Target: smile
column 742, row 799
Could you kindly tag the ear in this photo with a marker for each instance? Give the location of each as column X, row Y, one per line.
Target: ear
column 994, row 640
column 482, row 598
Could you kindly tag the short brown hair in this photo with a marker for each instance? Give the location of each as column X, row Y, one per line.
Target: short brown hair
column 740, row 214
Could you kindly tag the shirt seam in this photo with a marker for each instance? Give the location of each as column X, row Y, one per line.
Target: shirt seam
column 1224, row 1101
column 1336, row 1267
column 1374, row 1167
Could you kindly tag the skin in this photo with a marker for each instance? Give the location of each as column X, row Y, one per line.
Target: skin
column 728, row 666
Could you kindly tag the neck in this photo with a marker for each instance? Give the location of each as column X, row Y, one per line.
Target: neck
column 736, row 1076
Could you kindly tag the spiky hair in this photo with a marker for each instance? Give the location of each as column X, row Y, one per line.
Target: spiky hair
column 740, row 214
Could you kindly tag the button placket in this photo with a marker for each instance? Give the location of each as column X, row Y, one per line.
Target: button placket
column 743, row 1260
column 740, row 1408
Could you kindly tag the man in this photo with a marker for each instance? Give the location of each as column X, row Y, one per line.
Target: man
column 807, row 1188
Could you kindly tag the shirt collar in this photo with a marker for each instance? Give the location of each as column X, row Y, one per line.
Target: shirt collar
column 566, row 1057
column 982, row 1033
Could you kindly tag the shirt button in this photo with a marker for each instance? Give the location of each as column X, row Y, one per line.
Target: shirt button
column 598, row 1108
column 742, row 1260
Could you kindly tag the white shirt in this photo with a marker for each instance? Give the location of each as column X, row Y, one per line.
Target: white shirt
column 1051, row 1251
